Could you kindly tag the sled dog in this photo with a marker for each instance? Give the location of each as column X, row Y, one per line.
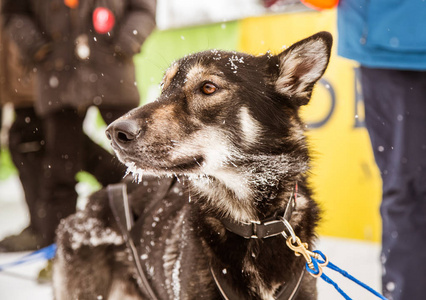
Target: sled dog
column 220, row 166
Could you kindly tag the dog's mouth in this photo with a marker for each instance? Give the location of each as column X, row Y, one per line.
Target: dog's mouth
column 147, row 163
column 138, row 170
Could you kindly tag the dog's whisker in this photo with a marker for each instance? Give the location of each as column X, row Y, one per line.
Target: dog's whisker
column 196, row 161
column 137, row 172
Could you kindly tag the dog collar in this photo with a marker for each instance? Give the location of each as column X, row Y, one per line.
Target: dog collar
column 269, row 227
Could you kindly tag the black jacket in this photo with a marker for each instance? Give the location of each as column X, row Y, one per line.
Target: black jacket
column 48, row 33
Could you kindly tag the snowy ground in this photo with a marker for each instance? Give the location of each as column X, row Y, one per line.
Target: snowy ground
column 361, row 259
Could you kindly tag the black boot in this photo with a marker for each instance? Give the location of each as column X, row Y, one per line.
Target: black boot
column 27, row 240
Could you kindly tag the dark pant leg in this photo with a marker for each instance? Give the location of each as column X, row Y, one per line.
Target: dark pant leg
column 62, row 160
column 395, row 109
column 26, row 149
column 100, row 163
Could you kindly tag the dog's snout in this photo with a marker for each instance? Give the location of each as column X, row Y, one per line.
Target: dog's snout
column 122, row 132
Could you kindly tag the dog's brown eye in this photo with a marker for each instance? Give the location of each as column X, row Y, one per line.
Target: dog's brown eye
column 208, row 88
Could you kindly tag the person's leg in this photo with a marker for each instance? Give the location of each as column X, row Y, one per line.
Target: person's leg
column 395, row 109
column 62, row 160
column 26, row 150
column 100, row 163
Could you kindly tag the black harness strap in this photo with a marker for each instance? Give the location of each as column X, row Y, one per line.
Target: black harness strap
column 286, row 291
column 117, row 194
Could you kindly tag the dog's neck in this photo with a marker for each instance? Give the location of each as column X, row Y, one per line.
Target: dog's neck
column 250, row 190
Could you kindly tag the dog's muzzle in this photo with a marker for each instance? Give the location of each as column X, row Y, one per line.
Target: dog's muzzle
column 122, row 133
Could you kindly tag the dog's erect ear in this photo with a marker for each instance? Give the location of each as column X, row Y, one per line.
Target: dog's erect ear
column 302, row 65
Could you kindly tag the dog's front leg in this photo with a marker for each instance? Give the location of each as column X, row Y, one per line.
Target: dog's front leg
column 83, row 264
column 84, row 273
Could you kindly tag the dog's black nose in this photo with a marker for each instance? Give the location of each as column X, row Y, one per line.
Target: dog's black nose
column 122, row 132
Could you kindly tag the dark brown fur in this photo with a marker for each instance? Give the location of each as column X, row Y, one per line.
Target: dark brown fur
column 237, row 152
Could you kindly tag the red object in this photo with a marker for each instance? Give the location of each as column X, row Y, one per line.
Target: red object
column 103, row 20
column 320, row 4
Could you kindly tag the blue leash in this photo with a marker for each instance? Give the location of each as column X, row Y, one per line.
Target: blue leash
column 322, row 261
column 43, row 253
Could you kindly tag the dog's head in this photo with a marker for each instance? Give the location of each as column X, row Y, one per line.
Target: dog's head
column 219, row 110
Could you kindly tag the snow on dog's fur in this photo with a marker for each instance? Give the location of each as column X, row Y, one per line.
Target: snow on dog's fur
column 227, row 126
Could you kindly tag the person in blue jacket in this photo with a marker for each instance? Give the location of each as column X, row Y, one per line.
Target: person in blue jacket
column 388, row 39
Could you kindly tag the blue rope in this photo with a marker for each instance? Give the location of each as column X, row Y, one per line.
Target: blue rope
column 333, row 267
column 43, row 253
